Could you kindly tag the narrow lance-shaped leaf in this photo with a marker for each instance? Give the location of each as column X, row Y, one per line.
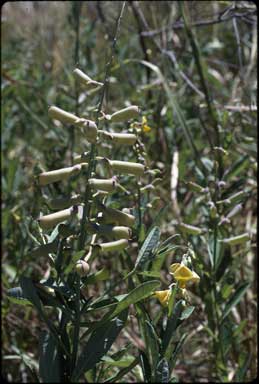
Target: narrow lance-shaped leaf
column 49, row 362
column 162, row 371
column 139, row 293
column 98, row 345
column 146, row 249
column 235, row 299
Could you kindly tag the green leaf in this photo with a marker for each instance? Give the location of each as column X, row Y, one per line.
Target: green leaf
column 139, row 293
column 146, row 369
column 236, row 168
column 235, row 299
column 74, row 259
column 49, row 361
column 172, row 324
column 153, row 343
column 177, row 350
column 16, row 295
column 101, row 275
column 148, row 247
column 98, row 345
column 121, row 363
column 187, row 312
column 162, row 371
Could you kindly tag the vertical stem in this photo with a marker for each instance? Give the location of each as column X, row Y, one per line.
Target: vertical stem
column 76, row 8
column 86, row 209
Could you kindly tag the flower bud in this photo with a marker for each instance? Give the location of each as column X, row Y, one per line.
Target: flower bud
column 236, row 239
column 107, row 185
column 59, row 174
column 61, row 115
column 112, row 246
column 119, row 138
column 212, row 209
column 84, row 79
column 124, row 114
column 114, row 216
column 190, row 229
column 195, row 187
column 127, row 167
column 82, row 268
column 53, row 219
column 90, row 128
column 116, row 232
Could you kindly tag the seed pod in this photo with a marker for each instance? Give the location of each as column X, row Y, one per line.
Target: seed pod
column 63, row 203
column 127, row 167
column 112, row 246
column 236, row 239
column 190, row 229
column 124, row 114
column 59, row 174
column 82, row 268
column 114, row 216
column 53, row 219
column 119, row 138
column 84, row 79
column 108, row 185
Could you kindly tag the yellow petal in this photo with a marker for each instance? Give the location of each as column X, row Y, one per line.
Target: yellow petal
column 146, row 128
column 163, row 296
column 174, row 267
column 144, row 120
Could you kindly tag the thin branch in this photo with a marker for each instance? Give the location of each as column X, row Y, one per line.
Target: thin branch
column 201, row 23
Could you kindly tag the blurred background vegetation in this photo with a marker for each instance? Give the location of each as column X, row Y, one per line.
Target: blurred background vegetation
column 42, row 42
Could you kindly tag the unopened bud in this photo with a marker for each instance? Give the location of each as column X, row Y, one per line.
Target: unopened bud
column 119, row 138
column 236, row 239
column 190, row 229
column 53, row 219
column 90, row 128
column 127, row 167
column 114, row 216
column 60, row 174
column 82, row 268
column 124, row 114
column 107, row 185
column 113, row 246
column 84, row 79
column 195, row 187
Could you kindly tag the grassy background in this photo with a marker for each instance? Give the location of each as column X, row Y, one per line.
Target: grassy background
column 42, row 42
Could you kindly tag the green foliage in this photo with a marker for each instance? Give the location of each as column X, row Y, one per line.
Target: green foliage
column 191, row 68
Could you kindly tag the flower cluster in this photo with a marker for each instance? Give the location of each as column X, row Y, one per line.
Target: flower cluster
column 183, row 275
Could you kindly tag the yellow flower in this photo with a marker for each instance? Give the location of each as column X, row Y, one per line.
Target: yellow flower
column 183, row 274
column 146, row 128
column 163, row 296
